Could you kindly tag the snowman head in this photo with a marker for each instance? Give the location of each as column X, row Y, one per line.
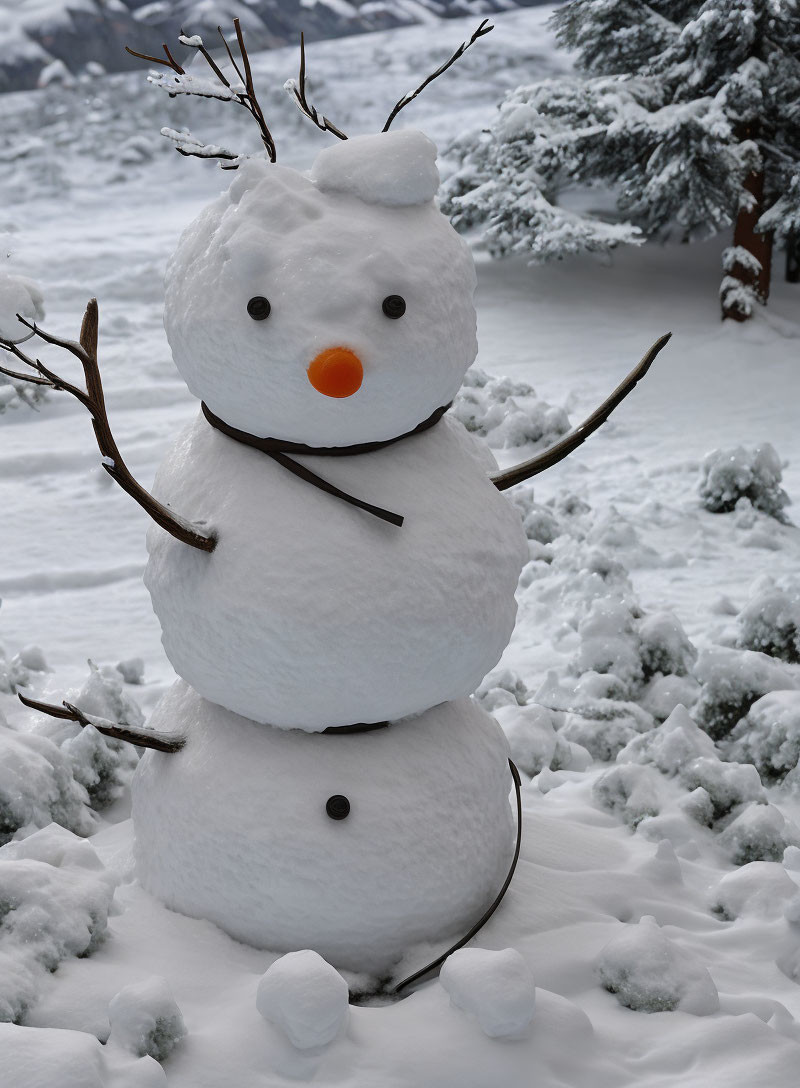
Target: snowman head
column 329, row 308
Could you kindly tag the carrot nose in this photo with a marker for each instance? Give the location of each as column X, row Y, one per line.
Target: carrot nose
column 336, row 372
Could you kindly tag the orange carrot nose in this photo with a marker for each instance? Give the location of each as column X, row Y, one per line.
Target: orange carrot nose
column 336, row 372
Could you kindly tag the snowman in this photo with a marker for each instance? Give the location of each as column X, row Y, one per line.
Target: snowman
column 331, row 562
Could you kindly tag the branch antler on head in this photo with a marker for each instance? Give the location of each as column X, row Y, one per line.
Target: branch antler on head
column 220, row 88
column 297, row 89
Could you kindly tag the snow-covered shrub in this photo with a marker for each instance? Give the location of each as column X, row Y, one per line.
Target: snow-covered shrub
column 37, row 786
column 102, row 765
column 728, row 475
column 534, row 742
column 16, row 673
column 664, row 646
column 770, row 622
column 541, row 523
column 54, row 901
column 671, row 746
column 663, row 694
column 610, row 644
column 759, row 833
column 769, row 736
column 759, row 888
column 732, row 680
column 630, row 790
column 145, row 1019
column 605, row 735
column 650, row 973
column 502, row 687
column 727, row 785
column 507, row 413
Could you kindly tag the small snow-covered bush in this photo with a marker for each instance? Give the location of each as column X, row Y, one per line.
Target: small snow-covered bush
column 507, row 413
column 37, row 787
column 664, row 646
column 54, row 901
column 671, row 746
column 732, row 474
column 759, row 833
column 732, row 680
column 502, row 687
column 630, row 790
column 727, row 785
column 101, row 764
column 769, row 736
column 534, row 742
column 145, row 1019
column 610, row 644
column 770, row 622
column 650, row 973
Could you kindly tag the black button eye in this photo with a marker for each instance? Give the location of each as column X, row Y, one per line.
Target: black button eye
column 338, row 807
column 259, row 308
column 394, row 306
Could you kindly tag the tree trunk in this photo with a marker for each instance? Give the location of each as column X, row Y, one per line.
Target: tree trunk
column 793, row 257
column 754, row 281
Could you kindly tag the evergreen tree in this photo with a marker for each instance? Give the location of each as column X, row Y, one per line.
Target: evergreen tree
column 689, row 111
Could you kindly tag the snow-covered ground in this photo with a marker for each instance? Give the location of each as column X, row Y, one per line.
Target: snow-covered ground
column 675, row 829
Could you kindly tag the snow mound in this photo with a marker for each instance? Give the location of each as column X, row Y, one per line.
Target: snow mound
column 54, row 901
column 495, row 987
column 46, row 1057
column 728, row 475
column 534, row 742
column 394, row 168
column 145, row 1019
column 648, row 972
column 760, row 889
column 306, row 997
column 16, row 673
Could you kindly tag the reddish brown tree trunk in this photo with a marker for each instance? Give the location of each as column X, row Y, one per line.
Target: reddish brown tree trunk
column 759, row 245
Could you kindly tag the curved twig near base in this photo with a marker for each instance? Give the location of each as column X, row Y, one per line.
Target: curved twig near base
column 570, row 442
column 144, row 738
column 93, row 399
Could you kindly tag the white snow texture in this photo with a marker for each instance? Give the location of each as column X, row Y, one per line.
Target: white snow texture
column 234, row 828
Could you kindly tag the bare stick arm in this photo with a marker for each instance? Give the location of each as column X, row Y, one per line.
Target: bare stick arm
column 94, row 401
column 570, row 442
column 144, row 738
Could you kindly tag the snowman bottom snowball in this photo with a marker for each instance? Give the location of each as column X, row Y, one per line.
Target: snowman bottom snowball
column 357, row 846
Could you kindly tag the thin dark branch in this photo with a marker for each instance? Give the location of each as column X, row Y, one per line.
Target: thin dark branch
column 170, row 62
column 143, row 738
column 186, row 40
column 298, row 93
column 575, row 438
column 94, row 401
column 483, row 29
column 230, row 55
column 255, row 108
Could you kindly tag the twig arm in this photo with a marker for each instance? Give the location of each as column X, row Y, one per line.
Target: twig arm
column 570, row 442
column 94, row 401
column 144, row 738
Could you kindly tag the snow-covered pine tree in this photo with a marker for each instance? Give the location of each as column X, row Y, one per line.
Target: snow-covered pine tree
column 688, row 111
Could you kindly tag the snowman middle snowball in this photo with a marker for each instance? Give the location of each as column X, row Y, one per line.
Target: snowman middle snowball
column 311, row 613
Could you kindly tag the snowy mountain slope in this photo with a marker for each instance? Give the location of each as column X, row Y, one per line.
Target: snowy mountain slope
column 35, row 33
column 92, row 203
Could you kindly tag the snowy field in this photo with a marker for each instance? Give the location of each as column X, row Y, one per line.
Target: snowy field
column 657, row 899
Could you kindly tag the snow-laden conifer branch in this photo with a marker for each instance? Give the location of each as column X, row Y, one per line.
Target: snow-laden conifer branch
column 297, row 90
column 242, row 93
column 93, row 399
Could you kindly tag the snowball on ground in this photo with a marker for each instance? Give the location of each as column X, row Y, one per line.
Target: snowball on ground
column 648, row 972
column 54, row 900
column 145, row 1019
column 306, row 997
column 495, row 987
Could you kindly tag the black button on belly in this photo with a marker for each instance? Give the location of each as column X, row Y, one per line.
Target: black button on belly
column 337, row 807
